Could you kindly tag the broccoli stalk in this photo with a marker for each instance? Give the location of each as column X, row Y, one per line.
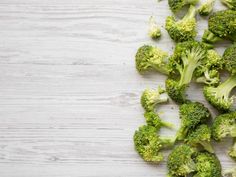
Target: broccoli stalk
column 154, row 30
column 206, row 8
column 210, row 38
column 184, row 29
column 177, row 5
column 232, row 152
column 231, row 4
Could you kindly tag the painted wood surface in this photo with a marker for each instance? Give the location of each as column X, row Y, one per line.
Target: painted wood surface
column 69, row 92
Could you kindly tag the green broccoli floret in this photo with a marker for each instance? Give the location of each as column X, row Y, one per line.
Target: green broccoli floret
column 219, row 96
column 200, row 136
column 231, row 4
column 154, row 31
column 180, row 161
column 186, row 58
column 208, row 72
column 224, row 125
column 208, row 165
column 210, row 38
column 232, row 152
column 221, row 24
column 184, row 29
column 177, row 5
column 150, row 98
column 154, row 120
column 191, row 115
column 149, row 144
column 206, row 8
column 151, row 58
column 230, row 172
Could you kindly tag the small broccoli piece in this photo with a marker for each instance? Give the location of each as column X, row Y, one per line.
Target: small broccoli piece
column 150, row 98
column 154, row 120
column 191, row 115
column 184, row 29
column 208, row 165
column 206, row 8
column 232, row 152
column 150, row 57
column 177, row 5
column 154, row 31
column 210, row 38
column 230, row 172
column 231, row 4
column 200, row 136
column 180, row 161
column 186, row 58
column 224, row 125
column 219, row 96
column 149, row 144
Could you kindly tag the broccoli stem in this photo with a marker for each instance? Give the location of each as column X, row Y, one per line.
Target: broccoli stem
column 207, row 146
column 167, row 142
column 193, row 2
column 191, row 12
column 210, row 37
column 167, row 124
column 233, row 132
column 163, row 69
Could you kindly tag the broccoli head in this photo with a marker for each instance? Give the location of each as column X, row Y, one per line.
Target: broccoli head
column 154, row 120
column 150, row 98
column 200, row 136
column 232, row 152
column 206, row 8
column 182, row 65
column 177, row 5
column 220, row 96
column 231, row 4
column 224, row 125
column 191, row 115
column 154, row 30
column 230, row 172
column 151, row 58
column 149, row 144
column 180, row 161
column 208, row 165
column 184, row 29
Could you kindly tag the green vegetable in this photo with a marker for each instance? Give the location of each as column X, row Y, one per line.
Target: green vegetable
column 154, row 30
column 232, row 152
column 177, row 5
column 231, row 4
column 230, row 172
column 206, row 8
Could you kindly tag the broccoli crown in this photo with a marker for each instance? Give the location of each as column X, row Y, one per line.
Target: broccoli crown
column 200, row 136
column 191, row 115
column 154, row 30
column 180, row 161
column 210, row 38
column 154, row 120
column 219, row 96
column 224, row 125
column 150, row 57
column 206, row 8
column 229, row 58
column 232, row 152
column 208, row 165
column 221, row 23
column 150, row 98
column 148, row 143
column 186, row 58
column 231, row 4
column 184, row 29
column 176, row 5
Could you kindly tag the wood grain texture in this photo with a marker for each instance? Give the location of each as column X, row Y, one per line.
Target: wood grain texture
column 69, row 92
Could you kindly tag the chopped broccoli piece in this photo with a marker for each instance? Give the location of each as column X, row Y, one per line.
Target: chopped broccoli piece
column 208, row 165
column 184, row 29
column 232, row 152
column 200, row 136
column 177, row 5
column 191, row 115
column 154, row 120
column 186, row 58
column 206, row 8
column 210, row 38
column 154, row 30
column 150, row 57
column 150, row 98
column 149, row 144
column 231, row 4
column 180, row 161
column 230, row 172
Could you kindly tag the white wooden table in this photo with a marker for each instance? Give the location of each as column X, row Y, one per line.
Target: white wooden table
column 69, row 91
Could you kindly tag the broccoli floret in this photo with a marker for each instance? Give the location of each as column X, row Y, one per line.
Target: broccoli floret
column 230, row 172
column 177, row 5
column 149, row 144
column 232, row 152
column 219, row 96
column 200, row 136
column 191, row 115
column 154, row 120
column 180, row 161
column 154, row 30
column 224, row 125
column 208, row 165
column 206, row 8
column 231, row 4
column 210, row 38
column 150, row 98
column 186, row 58
column 184, row 29
column 151, row 58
